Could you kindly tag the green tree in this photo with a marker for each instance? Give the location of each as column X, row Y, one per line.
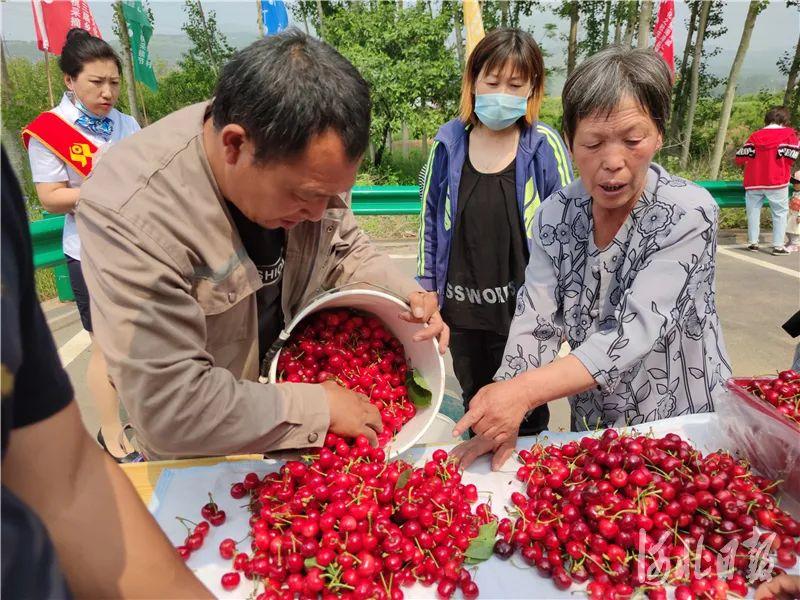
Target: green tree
column 314, row 12
column 571, row 9
column 458, row 24
column 303, row 11
column 596, row 15
column 694, row 81
column 755, row 8
column 210, row 48
column 25, row 96
column 618, row 13
column 789, row 65
column 645, row 21
column 403, row 54
column 678, row 105
column 711, row 16
column 503, row 13
column 196, row 75
column 192, row 82
column 121, row 29
column 631, row 18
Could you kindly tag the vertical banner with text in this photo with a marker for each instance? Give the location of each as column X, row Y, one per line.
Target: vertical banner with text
column 662, row 32
column 52, row 19
column 140, row 30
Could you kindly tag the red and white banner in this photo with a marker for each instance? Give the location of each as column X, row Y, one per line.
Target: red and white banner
column 663, row 32
column 54, row 18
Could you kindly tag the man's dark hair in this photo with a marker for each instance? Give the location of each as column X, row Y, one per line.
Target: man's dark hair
column 286, row 88
column 82, row 47
column 777, row 115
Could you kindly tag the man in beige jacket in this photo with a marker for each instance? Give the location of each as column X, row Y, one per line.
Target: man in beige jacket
column 207, row 231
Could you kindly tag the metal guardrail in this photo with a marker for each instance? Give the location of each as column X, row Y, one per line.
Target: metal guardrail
column 728, row 194
column 47, row 247
column 386, row 200
column 404, row 199
column 367, row 200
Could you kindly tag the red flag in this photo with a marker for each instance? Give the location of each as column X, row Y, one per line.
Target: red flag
column 663, row 32
column 54, row 18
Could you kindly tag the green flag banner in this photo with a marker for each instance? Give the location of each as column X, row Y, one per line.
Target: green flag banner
column 140, row 31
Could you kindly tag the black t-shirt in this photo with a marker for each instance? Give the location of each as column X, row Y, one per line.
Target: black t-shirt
column 488, row 254
column 34, row 387
column 266, row 248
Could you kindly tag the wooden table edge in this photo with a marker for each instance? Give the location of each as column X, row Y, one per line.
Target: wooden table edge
column 144, row 475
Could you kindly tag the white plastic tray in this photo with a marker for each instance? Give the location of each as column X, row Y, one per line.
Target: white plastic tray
column 182, row 492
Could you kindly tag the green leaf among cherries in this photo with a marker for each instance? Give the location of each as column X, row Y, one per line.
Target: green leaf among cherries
column 482, row 546
column 419, row 392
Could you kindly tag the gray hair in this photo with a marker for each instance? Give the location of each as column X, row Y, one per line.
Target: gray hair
column 601, row 82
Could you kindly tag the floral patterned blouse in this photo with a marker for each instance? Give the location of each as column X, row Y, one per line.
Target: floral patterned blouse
column 639, row 314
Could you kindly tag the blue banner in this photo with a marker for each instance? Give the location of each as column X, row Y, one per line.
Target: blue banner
column 274, row 17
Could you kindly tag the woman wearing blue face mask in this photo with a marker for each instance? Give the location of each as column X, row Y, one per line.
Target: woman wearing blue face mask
column 63, row 144
column 486, row 174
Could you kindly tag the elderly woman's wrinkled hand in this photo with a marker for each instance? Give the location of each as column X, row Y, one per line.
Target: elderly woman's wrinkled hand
column 496, row 411
column 782, row 587
column 466, row 452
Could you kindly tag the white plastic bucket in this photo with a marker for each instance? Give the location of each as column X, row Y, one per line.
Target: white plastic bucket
column 423, row 356
column 440, row 433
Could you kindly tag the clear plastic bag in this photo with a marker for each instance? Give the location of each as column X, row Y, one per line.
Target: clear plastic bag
column 762, row 435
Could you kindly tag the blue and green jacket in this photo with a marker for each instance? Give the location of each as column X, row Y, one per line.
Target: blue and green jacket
column 543, row 167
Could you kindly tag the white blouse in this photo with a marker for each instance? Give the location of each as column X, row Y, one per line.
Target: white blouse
column 639, row 314
column 46, row 167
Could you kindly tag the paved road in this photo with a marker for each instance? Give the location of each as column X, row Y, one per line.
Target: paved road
column 756, row 293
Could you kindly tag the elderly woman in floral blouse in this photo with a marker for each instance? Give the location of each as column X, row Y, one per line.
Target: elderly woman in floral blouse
column 622, row 266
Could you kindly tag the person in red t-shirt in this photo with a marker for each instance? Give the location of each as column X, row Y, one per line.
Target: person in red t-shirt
column 767, row 157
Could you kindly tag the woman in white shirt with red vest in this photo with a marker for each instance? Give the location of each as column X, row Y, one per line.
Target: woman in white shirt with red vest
column 63, row 144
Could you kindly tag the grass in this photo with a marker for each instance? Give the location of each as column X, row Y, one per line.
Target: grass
column 45, row 284
column 400, row 227
column 736, row 218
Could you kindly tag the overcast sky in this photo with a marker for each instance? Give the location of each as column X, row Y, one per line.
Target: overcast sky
column 777, row 27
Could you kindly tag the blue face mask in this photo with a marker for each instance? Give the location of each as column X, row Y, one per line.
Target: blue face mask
column 498, row 111
column 102, row 126
column 81, row 106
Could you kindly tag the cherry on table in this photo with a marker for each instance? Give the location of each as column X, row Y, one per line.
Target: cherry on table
column 230, row 581
column 503, row 549
column 217, row 518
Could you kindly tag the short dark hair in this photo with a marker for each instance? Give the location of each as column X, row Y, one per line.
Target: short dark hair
column 286, row 88
column 777, row 115
column 599, row 84
column 82, row 47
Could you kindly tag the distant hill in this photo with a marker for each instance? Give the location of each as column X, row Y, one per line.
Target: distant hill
column 165, row 49
column 758, row 72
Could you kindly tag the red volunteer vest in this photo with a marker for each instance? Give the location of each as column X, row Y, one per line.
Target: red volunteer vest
column 63, row 140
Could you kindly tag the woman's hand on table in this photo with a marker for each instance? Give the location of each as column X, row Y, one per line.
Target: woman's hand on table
column 466, row 452
column 496, row 411
column 782, row 587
